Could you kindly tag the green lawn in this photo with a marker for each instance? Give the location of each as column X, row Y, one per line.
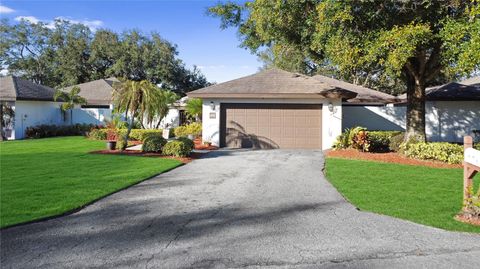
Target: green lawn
column 46, row 177
column 429, row 196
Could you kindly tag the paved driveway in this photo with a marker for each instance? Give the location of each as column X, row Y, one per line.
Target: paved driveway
column 235, row 209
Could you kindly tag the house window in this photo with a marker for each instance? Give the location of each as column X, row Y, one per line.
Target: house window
column 182, row 119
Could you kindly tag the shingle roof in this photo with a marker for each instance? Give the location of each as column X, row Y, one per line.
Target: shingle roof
column 97, row 92
column 364, row 95
column 453, row 91
column 13, row 88
column 270, row 84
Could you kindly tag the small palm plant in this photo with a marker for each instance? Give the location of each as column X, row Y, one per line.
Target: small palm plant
column 139, row 99
column 70, row 99
column 194, row 108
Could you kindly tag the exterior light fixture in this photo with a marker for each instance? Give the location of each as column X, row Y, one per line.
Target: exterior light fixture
column 330, row 107
column 212, row 105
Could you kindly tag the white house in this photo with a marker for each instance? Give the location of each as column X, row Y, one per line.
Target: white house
column 33, row 105
column 279, row 109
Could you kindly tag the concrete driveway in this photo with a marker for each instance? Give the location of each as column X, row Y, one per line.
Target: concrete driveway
column 235, row 209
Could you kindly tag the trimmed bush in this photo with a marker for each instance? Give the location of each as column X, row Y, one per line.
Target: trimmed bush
column 356, row 138
column 439, row 151
column 191, row 129
column 187, row 141
column 380, row 140
column 396, row 142
column 97, row 134
column 135, row 134
column 44, row 130
column 153, row 143
column 121, row 144
column 176, row 148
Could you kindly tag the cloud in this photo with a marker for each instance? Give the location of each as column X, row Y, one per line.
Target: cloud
column 211, row 66
column 92, row 24
column 6, row 10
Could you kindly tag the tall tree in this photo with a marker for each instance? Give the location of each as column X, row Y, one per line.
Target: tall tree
column 417, row 42
column 70, row 99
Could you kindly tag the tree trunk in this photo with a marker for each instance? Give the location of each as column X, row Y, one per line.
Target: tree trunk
column 125, row 139
column 415, row 109
column 71, row 116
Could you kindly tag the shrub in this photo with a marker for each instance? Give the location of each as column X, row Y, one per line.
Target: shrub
column 176, row 148
column 380, row 140
column 135, row 134
column 97, row 134
column 477, row 146
column 153, row 143
column 191, row 129
column 44, row 130
column 343, row 141
column 396, row 142
column 439, row 151
column 188, row 142
column 356, row 138
column 121, row 145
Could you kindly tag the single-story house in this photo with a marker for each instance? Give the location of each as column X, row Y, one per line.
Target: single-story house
column 279, row 109
column 33, row 104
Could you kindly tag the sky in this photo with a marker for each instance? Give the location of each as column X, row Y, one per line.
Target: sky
column 198, row 36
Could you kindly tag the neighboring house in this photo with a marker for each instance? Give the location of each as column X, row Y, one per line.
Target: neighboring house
column 33, row 105
column 279, row 109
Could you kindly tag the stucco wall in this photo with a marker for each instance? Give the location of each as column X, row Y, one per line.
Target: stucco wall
column 32, row 113
column 445, row 120
column 96, row 116
column 332, row 121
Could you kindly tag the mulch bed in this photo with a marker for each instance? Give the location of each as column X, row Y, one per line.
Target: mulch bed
column 139, row 153
column 200, row 146
column 467, row 218
column 388, row 157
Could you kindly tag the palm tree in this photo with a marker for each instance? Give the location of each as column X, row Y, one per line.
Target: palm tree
column 194, row 108
column 70, row 99
column 168, row 98
column 138, row 98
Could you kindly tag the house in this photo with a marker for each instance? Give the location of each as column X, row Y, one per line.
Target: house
column 33, row 104
column 279, row 109
column 272, row 109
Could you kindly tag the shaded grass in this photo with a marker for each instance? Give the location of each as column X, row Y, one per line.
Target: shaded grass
column 46, row 177
column 430, row 196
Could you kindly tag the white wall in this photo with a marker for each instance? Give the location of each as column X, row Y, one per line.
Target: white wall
column 446, row 121
column 32, row 113
column 96, row 116
column 331, row 121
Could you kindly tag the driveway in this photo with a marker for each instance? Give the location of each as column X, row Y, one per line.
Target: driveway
column 235, row 209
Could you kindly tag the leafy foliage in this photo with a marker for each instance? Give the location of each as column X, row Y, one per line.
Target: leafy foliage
column 380, row 140
column 135, row 134
column 439, row 151
column 194, row 108
column 176, row 148
column 44, row 130
column 396, row 142
column 190, row 129
column 153, row 143
column 188, row 142
column 70, row 53
column 69, row 99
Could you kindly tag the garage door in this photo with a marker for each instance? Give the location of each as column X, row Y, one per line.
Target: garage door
column 296, row 126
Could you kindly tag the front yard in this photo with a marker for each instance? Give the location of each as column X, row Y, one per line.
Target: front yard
column 46, row 177
column 430, row 196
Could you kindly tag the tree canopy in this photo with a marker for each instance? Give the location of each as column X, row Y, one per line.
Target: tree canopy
column 393, row 46
column 69, row 54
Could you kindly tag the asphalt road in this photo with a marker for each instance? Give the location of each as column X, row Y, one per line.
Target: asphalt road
column 235, row 209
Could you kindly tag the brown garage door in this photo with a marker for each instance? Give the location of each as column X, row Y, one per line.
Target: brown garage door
column 296, row 126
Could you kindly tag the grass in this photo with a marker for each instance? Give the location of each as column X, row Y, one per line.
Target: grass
column 47, row 177
column 429, row 196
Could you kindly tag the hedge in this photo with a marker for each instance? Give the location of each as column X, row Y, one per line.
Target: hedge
column 380, row 140
column 190, row 129
column 44, row 130
column 439, row 151
column 153, row 143
column 176, row 148
column 135, row 134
